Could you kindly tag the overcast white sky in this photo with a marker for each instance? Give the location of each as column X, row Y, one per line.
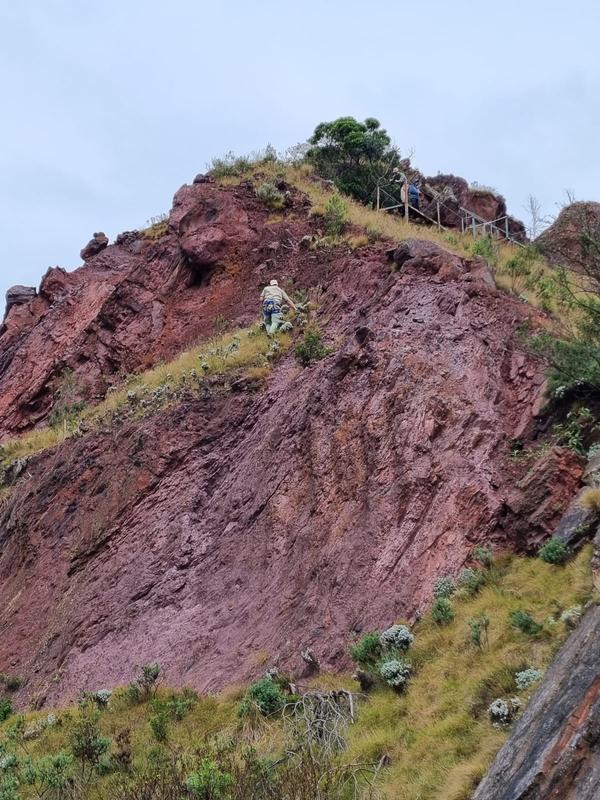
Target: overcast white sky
column 108, row 107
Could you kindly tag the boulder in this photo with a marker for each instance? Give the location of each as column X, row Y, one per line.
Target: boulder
column 576, row 524
column 96, row 244
column 18, row 295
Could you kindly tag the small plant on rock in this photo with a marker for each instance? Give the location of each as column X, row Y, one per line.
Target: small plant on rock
column 336, row 211
column 524, row 622
column 311, row 348
column 270, row 195
column 572, row 616
column 395, row 672
column 398, row 637
column 444, row 587
column 484, row 555
column 442, row 611
column 554, row 551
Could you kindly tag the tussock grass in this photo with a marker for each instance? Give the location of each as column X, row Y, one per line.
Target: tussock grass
column 437, row 734
column 245, row 349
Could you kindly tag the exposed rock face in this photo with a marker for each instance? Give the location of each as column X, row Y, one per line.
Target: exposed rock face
column 553, row 752
column 252, row 520
column 485, row 203
column 96, row 244
column 561, row 243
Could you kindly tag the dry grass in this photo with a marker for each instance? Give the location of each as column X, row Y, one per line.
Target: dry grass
column 246, row 349
column 437, row 735
column 590, row 499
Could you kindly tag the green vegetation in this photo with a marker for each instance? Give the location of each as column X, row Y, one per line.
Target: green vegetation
column 354, row 155
column 270, row 195
column 248, row 350
column 523, row 621
column 442, row 611
column 554, row 551
column 439, row 714
column 311, row 348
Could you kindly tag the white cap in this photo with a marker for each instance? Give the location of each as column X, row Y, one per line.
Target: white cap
column 272, row 283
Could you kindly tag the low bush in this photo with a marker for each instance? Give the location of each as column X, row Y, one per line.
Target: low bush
column 487, row 249
column 524, row 622
column 471, row 580
column 502, row 712
column 527, row 678
column 336, row 211
column 484, row 555
column 12, row 683
column 209, row 782
column 444, row 587
column 367, row 651
column 478, row 627
column 395, row 672
column 398, row 637
column 270, row 195
column 265, row 695
column 442, row 611
column 6, row 708
column 554, row 551
column 311, row 348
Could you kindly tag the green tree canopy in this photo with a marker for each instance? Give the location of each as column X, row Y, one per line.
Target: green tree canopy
column 354, row 155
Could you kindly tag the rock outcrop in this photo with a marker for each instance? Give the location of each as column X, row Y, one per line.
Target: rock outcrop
column 96, row 244
column 18, row 296
column 258, row 519
column 553, row 752
column 563, row 242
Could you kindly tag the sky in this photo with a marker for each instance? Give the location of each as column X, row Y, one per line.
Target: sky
column 108, row 107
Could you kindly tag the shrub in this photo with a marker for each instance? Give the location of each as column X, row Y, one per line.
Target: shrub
column 590, row 499
column 484, row 555
column 145, row 685
column 524, row 622
column 12, row 683
column 572, row 432
column 444, row 587
column 442, row 611
column 209, row 782
column 398, row 637
column 367, row 651
column 311, row 348
column 471, row 579
column 479, row 630
column 486, row 248
column 502, row 712
column 265, row 695
column 554, row 551
column 230, row 165
column 527, row 678
column 336, row 211
column 86, row 741
column 159, row 724
column 395, row 672
column 571, row 616
column 270, row 195
column 6, row 708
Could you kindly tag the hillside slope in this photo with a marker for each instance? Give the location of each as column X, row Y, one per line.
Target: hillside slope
column 253, row 517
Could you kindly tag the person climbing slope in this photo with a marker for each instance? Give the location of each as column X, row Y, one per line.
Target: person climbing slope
column 272, row 298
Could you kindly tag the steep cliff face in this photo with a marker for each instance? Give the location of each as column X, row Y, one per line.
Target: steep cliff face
column 257, row 517
column 554, row 751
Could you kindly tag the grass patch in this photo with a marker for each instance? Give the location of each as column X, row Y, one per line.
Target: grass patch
column 249, row 350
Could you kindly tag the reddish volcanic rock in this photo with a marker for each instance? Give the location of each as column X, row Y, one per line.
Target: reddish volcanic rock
column 260, row 519
column 96, row 244
column 561, row 243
